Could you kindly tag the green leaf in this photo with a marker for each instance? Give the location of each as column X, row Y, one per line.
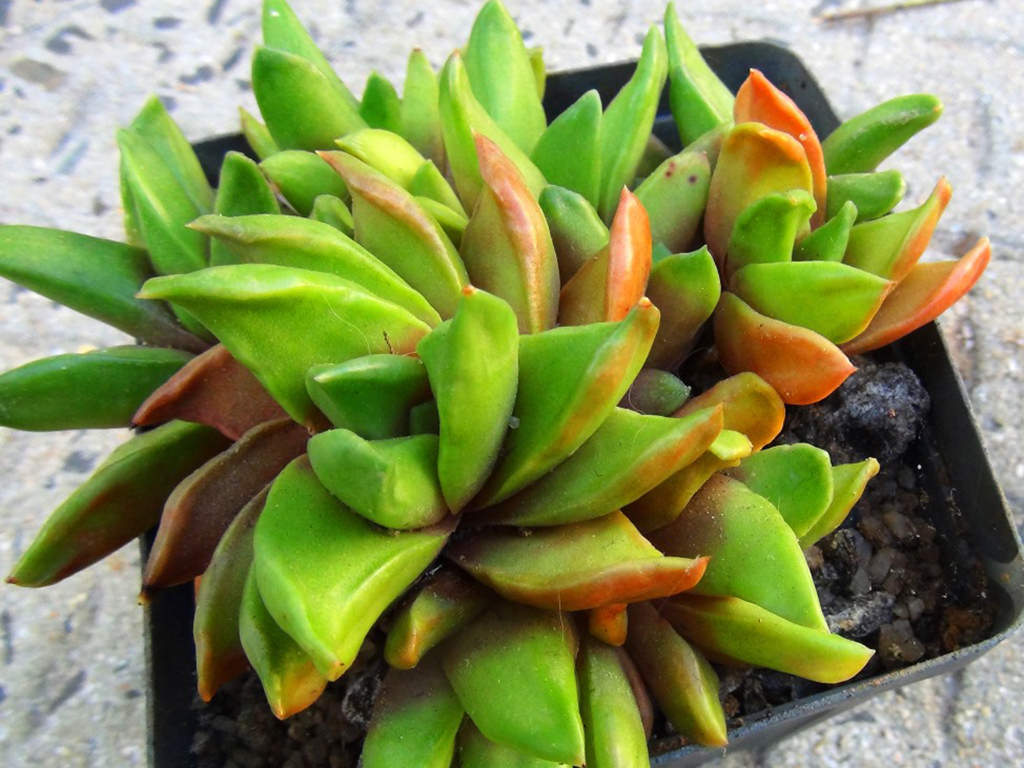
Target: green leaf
column 290, row 241
column 828, row 242
column 477, row 751
column 611, row 721
column 419, row 119
column 575, row 567
column 390, row 482
column 290, row 680
column 630, row 452
column 424, row 419
column 445, row 603
column 514, row 673
column 385, row 152
column 429, row 182
column 120, row 501
column 370, row 395
column 570, row 379
column 502, row 75
column 764, row 233
column 849, row 482
column 685, row 287
column 415, row 720
column 203, row 505
column 331, row 210
column 325, row 574
column 381, row 106
column 627, row 123
column 874, row 194
column 93, row 390
column 577, row 232
column 680, row 678
column 830, row 298
column 301, row 177
column 473, row 362
column 243, row 190
column 279, row 322
column 862, row 142
column 257, row 136
column 754, row 553
column 675, row 195
column 303, row 108
column 656, row 392
column 568, row 152
column 219, row 653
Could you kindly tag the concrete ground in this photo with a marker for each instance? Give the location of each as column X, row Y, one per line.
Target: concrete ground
column 71, row 664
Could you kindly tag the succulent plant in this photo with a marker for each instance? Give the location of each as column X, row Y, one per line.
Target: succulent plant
column 416, row 369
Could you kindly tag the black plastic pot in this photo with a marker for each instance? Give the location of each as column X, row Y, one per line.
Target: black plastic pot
column 952, row 458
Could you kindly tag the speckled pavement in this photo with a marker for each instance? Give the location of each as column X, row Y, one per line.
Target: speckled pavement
column 71, row 663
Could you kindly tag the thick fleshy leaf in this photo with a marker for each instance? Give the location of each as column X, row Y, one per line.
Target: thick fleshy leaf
column 849, row 482
column 331, row 210
column 502, row 77
column 754, row 553
column 674, row 196
column 290, row 680
column 656, row 392
column 609, row 623
column 640, row 694
column 282, row 29
column 803, row 366
column 279, row 322
column 506, row 247
column 219, row 653
column 302, row 107
column 513, row 669
column 291, row 241
column 415, row 720
column 473, row 363
column 324, row 573
column 738, row 632
column 370, row 395
column 569, row 381
column 862, row 142
column 97, row 389
column 256, row 135
column 477, row 751
column 568, row 153
column 796, row 479
column 301, row 177
column 203, row 505
column 628, row 120
column 700, row 101
column 924, row 294
column 392, row 226
column 833, row 299
column 462, row 118
column 612, row 726
column 828, row 242
column 751, row 407
column 874, row 194
column 686, row 288
column 419, row 119
column 243, row 190
column 540, row 74
column 755, row 161
column 452, row 223
column 120, row 501
column 390, row 482
column 380, row 107
column 631, row 452
column 679, row 677
column 608, row 286
column 424, row 419
column 429, row 182
column 759, row 101
column 212, row 389
column 385, row 152
column 577, row 232
column 656, row 152
column 446, row 603
column 764, row 233
column 890, row 246
column 577, row 566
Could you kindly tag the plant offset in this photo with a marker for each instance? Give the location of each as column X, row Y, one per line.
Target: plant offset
column 417, row 369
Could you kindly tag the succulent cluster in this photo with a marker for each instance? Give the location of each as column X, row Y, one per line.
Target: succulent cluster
column 416, row 369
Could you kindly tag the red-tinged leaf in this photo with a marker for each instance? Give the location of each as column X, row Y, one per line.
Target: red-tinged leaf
column 680, row 679
column 203, row 505
column 640, row 694
column 928, row 291
column 213, row 389
column 759, row 101
column 751, row 407
column 609, row 623
column 803, row 366
column 735, row 631
column 575, row 567
column 890, row 246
